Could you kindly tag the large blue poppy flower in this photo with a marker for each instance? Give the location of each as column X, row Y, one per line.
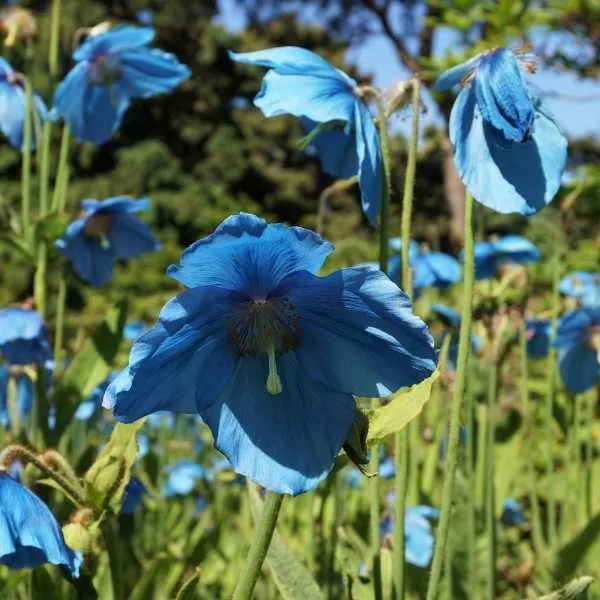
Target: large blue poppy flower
column 270, row 354
column 538, row 337
column 582, row 285
column 418, row 533
column 23, row 336
column 510, row 249
column 430, row 269
column 12, row 105
column 507, row 149
column 112, row 68
column 105, row 232
column 578, row 343
column 29, row 534
column 301, row 83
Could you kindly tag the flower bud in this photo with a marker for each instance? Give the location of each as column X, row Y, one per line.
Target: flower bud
column 78, row 537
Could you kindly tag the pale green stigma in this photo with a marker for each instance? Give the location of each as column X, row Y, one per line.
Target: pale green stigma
column 274, row 386
column 104, row 243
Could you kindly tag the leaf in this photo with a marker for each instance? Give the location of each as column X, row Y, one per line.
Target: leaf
column 49, row 228
column 399, row 411
column 292, row 578
column 574, row 589
column 574, row 553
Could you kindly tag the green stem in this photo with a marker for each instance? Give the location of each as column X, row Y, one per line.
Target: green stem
column 589, row 455
column 26, row 165
column 259, row 547
column 490, row 520
column 62, row 174
column 374, row 523
column 40, row 279
column 53, row 51
column 464, row 346
column 403, row 450
column 312, row 530
column 113, row 549
column 45, row 166
column 61, row 298
column 471, row 509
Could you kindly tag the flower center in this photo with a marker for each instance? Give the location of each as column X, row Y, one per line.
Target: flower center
column 98, row 226
column 258, row 327
column 104, row 70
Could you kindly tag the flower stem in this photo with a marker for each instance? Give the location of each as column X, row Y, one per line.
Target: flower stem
column 53, row 51
column 61, row 298
column 464, row 346
column 62, row 174
column 259, row 547
column 490, row 521
column 45, row 166
column 26, row 165
column 471, row 509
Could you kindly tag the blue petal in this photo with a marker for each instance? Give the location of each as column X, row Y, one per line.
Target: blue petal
column 486, row 260
column 395, row 244
column 180, row 364
column 451, row 77
column 538, row 338
column 574, row 326
column 12, row 113
column 359, row 335
column 118, row 39
column 148, row 72
column 129, row 237
column 435, row 269
column 419, row 539
column 579, row 367
column 516, row 249
column 520, row 178
column 29, row 533
column 244, row 253
column 287, row 442
column 23, row 336
column 446, row 314
column 114, row 206
column 578, row 284
column 182, row 478
column 502, row 95
column 370, row 172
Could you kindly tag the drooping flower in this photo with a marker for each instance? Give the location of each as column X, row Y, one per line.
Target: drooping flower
column 418, row 533
column 182, row 477
column 430, row 269
column 578, row 343
column 105, row 232
column 29, row 533
column 113, row 67
column 509, row 249
column 269, row 354
column 23, row 336
column 538, row 337
column 332, row 105
column 583, row 286
column 512, row 512
column 13, row 106
column 507, row 149
column 133, row 496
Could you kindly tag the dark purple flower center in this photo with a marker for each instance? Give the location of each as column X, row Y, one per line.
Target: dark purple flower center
column 104, row 69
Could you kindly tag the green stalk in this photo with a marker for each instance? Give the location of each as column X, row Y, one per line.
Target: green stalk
column 26, row 165
column 62, row 174
column 471, row 509
column 61, row 297
column 45, row 166
column 464, row 346
column 589, row 456
column 115, row 559
column 312, row 531
column 54, row 39
column 260, row 545
column 40, row 279
column 490, row 520
column 403, row 450
column 374, row 524
column 549, row 406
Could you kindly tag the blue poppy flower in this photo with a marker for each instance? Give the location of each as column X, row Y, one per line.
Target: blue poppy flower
column 29, row 534
column 512, row 512
column 112, row 68
column 507, row 149
column 578, row 343
column 286, row 350
column 430, row 269
column 301, row 83
column 538, row 337
column 133, row 330
column 12, row 106
column 24, row 392
column 23, row 336
column 105, row 232
column 418, row 533
column 583, row 286
column 510, row 249
column 133, row 496
column 182, row 477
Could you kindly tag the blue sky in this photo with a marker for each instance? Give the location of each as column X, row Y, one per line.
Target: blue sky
column 576, row 117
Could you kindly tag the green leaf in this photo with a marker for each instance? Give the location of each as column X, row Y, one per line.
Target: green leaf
column 399, row 411
column 586, row 544
column 574, row 589
column 49, row 228
column 292, row 578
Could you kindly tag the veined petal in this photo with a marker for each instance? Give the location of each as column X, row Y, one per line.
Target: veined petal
column 320, row 99
column 130, row 237
column 182, row 362
column 115, row 40
column 358, row 317
column 244, row 253
column 451, row 77
column 147, row 72
column 520, row 178
column 370, row 171
column 502, row 95
column 286, row 442
column 579, row 367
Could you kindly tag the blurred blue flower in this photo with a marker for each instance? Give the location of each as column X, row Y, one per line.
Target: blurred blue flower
column 201, row 504
column 387, row 468
column 145, row 16
column 105, row 232
column 512, row 512
column 23, row 336
column 29, row 533
column 285, row 349
column 332, row 106
column 510, row 249
column 24, row 392
column 583, row 286
column 112, row 68
column 12, row 106
column 133, row 496
column 133, row 330
column 182, row 477
column 89, row 407
column 538, row 337
column 578, row 343
column 507, row 149
column 418, row 534
column 143, row 444
column 161, row 418
column 353, row 477
column 430, row 269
